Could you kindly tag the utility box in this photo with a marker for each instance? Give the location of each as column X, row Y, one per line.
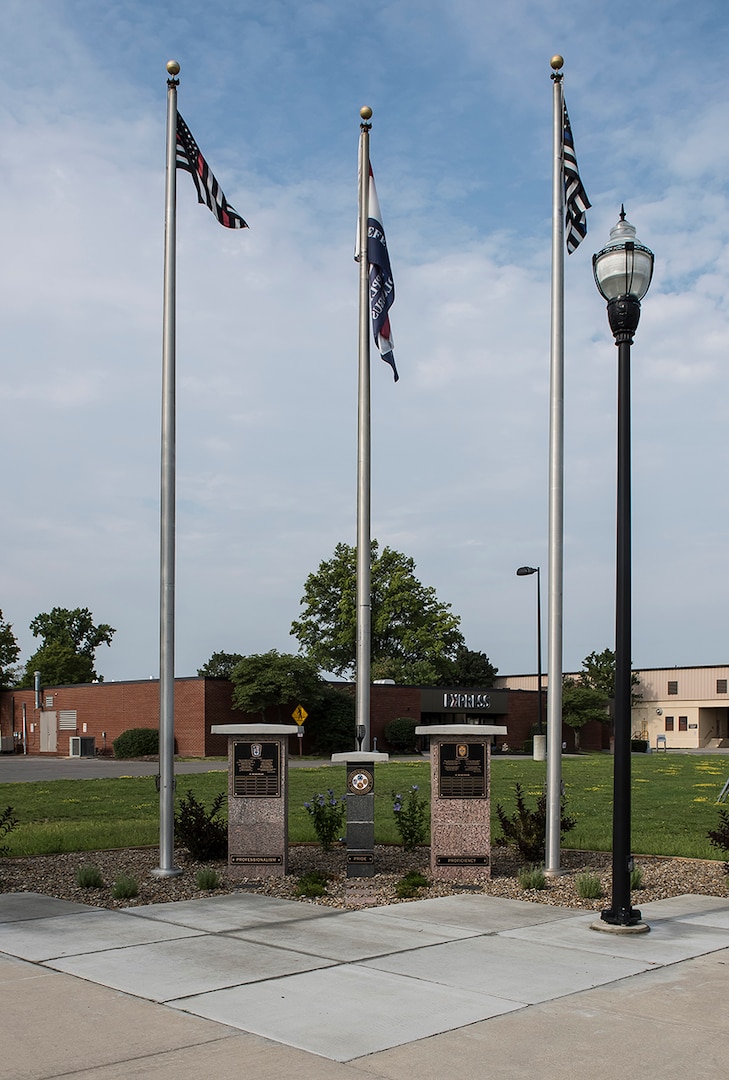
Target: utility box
column 82, row 746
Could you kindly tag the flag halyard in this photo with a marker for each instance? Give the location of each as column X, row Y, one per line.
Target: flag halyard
column 576, row 202
column 382, row 287
column 208, row 189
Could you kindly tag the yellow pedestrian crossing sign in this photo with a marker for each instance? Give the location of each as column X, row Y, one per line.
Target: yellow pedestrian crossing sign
column 299, row 714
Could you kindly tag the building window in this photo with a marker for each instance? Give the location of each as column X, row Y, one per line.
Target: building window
column 721, row 686
column 673, row 688
column 683, row 723
column 669, row 723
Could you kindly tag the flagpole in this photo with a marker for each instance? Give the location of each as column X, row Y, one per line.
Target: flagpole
column 556, row 489
column 364, row 545
column 166, row 866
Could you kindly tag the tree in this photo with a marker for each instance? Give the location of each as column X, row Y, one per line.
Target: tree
column 9, row 653
column 598, row 671
column 220, row 665
column 410, row 627
column 67, row 654
column 274, row 678
column 580, row 705
column 468, row 668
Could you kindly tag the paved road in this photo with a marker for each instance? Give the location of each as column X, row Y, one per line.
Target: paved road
column 17, row 768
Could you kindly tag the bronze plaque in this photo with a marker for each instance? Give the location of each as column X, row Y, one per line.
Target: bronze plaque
column 257, row 770
column 257, row 860
column 462, row 860
column 462, row 771
column 366, row 857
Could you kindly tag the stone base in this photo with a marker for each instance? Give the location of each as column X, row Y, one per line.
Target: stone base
column 360, row 864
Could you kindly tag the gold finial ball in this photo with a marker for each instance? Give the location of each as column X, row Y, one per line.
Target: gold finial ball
column 556, row 62
column 173, row 68
column 365, row 112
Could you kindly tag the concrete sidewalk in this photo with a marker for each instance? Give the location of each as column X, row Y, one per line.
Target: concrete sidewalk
column 246, row 985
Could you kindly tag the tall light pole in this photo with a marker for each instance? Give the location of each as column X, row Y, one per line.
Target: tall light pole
column 623, row 271
column 525, row 571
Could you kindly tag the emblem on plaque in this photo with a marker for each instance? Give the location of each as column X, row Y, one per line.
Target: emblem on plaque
column 462, row 750
column 360, row 782
column 256, row 749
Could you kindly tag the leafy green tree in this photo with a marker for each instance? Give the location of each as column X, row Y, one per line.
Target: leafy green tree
column 68, row 651
column 580, row 705
column 468, row 668
column 9, row 653
column 220, row 665
column 409, row 625
column 598, row 671
column 275, row 678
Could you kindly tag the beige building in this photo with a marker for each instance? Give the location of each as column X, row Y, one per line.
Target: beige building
column 679, row 708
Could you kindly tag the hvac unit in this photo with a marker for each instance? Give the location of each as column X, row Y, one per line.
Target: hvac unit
column 82, row 746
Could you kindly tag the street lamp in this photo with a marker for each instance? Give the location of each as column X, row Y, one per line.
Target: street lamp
column 525, row 571
column 623, row 271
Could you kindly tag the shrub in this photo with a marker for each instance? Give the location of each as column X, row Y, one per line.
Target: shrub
column 89, row 876
column 410, row 818
column 8, row 822
column 636, row 878
column 532, row 877
column 526, row 828
column 203, row 832
column 409, row 885
column 207, row 879
column 332, row 726
column 125, row 887
column 137, row 742
column 639, row 746
column 720, row 836
column 588, row 885
column 312, row 885
column 328, row 814
column 400, row 734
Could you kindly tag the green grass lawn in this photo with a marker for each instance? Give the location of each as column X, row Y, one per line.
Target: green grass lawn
column 674, row 803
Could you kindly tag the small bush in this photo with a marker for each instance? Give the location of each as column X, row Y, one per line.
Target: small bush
column 8, row 822
column 411, row 818
column 125, row 887
column 532, row 877
column 639, row 746
column 328, row 813
column 400, row 735
column 636, row 878
column 311, row 885
column 332, row 727
column 720, row 836
column 588, row 886
column 409, row 885
column 207, row 879
column 89, row 876
column 526, row 829
column 137, row 742
column 203, row 832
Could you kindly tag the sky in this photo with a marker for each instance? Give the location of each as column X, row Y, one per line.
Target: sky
column 267, row 322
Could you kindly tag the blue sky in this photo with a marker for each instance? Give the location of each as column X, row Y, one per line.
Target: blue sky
column 267, row 318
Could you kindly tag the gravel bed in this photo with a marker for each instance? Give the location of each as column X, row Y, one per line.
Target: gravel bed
column 55, row 875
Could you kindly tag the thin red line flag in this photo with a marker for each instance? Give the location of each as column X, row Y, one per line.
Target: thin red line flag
column 209, row 190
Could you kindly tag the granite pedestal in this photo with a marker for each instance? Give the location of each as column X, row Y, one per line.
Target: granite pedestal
column 360, row 765
column 257, row 798
column 460, row 806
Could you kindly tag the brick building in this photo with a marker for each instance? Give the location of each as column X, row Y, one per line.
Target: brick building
column 85, row 719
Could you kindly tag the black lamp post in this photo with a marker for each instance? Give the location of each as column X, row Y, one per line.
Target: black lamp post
column 525, row 571
column 623, row 271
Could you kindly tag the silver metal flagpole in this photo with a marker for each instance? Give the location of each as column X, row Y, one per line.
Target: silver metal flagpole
column 556, row 490
column 364, row 620
column 166, row 866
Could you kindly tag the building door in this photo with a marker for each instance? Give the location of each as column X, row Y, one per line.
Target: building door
column 48, row 740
